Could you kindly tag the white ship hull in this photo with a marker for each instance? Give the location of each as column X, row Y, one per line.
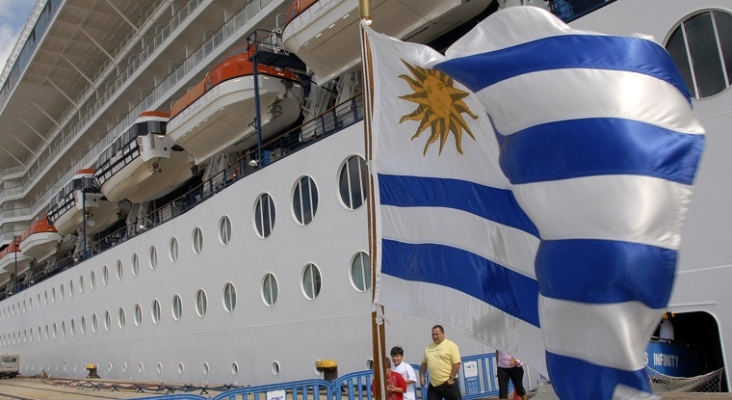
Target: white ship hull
column 53, row 327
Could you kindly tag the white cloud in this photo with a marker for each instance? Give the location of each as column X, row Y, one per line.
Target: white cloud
column 13, row 15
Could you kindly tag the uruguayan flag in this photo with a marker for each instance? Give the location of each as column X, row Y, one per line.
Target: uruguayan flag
column 551, row 208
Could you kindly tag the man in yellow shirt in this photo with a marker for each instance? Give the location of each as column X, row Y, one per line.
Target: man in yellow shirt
column 442, row 360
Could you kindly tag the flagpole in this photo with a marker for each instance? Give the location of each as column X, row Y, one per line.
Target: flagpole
column 378, row 332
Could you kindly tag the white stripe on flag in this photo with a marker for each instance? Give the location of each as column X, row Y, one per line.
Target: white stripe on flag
column 615, row 94
column 510, row 247
column 611, row 335
column 628, row 208
column 485, row 323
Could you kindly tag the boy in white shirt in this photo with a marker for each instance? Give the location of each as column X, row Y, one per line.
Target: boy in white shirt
column 406, row 370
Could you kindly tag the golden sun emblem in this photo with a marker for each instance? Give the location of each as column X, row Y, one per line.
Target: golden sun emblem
column 440, row 106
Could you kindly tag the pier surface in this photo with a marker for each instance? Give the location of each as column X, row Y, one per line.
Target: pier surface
column 21, row 388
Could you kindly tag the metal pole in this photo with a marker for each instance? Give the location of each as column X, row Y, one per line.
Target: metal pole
column 257, row 120
column 83, row 210
column 365, row 9
column 15, row 276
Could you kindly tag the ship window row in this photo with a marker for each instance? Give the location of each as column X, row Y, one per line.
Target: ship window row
column 311, row 286
column 352, row 189
column 205, row 367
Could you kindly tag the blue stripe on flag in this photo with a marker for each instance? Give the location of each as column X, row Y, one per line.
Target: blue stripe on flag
column 567, row 51
column 509, row 291
column 590, row 381
column 605, row 272
column 494, row 204
column 599, row 146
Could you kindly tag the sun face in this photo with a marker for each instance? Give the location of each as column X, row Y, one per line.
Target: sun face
column 440, row 106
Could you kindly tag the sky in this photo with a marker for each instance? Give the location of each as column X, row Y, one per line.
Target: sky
column 13, row 14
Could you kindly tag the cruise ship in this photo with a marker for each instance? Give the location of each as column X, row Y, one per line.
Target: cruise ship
column 198, row 171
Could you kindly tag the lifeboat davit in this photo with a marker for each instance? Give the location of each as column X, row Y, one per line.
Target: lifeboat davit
column 12, row 259
column 315, row 29
column 219, row 112
column 143, row 163
column 41, row 240
column 79, row 197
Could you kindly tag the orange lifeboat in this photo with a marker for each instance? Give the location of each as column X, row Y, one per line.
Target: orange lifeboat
column 322, row 32
column 41, row 240
column 79, row 196
column 143, row 163
column 12, row 260
column 219, row 112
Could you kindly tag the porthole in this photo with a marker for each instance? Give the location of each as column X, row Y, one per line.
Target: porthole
column 138, row 315
column 55, row 330
column 181, row 368
column 370, row 364
column 234, row 368
column 353, row 182
column 173, row 249
column 140, row 367
column 124, row 367
column 63, row 328
column 72, row 327
column 39, row 333
column 361, row 271
column 53, row 298
column 92, row 280
column 109, row 367
column 701, row 47
column 264, row 215
column 105, row 275
column 155, row 313
column 305, row 200
column 120, row 270
column 82, row 325
column 81, row 284
column 205, row 368
column 135, row 267
column 229, row 297
column 311, row 281
column 269, row 289
column 160, row 368
column 153, row 257
column 224, row 230
column 177, row 307
column 94, row 323
column 121, row 318
column 275, row 368
column 60, row 293
column 30, row 303
column 71, row 291
column 201, row 302
column 197, row 240
column 107, row 320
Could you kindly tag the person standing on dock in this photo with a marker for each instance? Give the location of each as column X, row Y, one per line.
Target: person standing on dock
column 406, row 371
column 442, row 361
column 510, row 368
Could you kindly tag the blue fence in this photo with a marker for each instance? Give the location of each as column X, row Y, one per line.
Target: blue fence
column 477, row 379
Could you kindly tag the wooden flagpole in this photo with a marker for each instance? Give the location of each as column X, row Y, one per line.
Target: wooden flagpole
column 378, row 333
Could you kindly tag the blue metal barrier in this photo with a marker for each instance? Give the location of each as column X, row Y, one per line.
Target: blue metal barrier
column 313, row 389
column 477, row 379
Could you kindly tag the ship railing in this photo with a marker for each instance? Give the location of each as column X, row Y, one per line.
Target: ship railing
column 274, row 149
column 569, row 10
